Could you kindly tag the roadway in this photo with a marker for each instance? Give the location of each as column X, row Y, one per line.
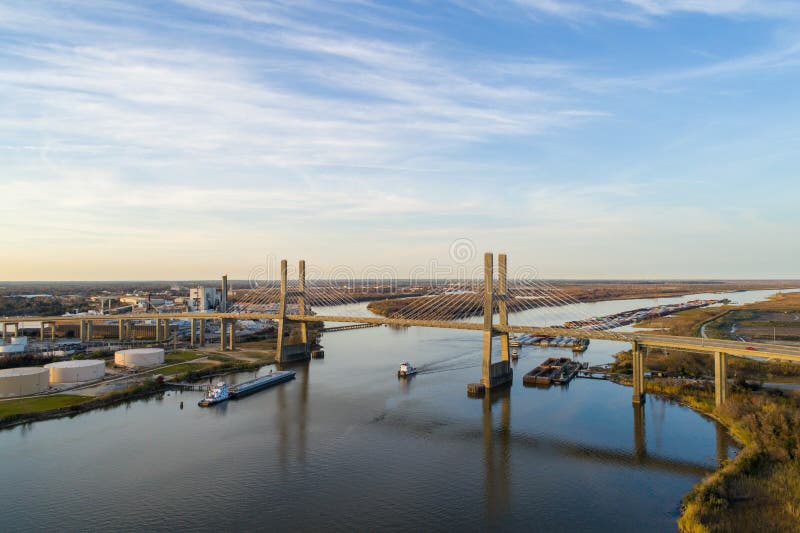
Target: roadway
column 693, row 344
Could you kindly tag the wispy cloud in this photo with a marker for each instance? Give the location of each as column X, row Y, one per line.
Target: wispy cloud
column 304, row 120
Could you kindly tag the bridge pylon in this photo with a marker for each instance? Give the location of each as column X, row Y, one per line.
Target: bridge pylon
column 286, row 352
column 499, row 373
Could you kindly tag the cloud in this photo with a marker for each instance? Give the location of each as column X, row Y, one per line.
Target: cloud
column 637, row 11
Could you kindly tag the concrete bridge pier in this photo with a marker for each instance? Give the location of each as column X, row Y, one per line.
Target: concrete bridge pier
column 232, row 334
column 301, row 302
column 192, row 332
column 83, row 328
column 120, row 330
column 222, row 339
column 638, row 374
column 720, row 378
column 500, row 373
column 202, row 332
column 286, row 352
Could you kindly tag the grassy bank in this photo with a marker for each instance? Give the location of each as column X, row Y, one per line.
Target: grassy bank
column 14, row 412
column 759, row 490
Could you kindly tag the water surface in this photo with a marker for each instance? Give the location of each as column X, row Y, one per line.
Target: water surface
column 347, row 446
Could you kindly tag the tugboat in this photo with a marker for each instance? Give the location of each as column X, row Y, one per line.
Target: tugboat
column 216, row 394
column 406, row 369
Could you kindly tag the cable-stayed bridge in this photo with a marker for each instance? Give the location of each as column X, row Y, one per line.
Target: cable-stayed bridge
column 492, row 305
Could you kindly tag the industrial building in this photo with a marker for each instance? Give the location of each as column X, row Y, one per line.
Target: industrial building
column 204, row 299
column 23, row 381
column 139, row 357
column 18, row 345
column 142, row 301
column 76, row 371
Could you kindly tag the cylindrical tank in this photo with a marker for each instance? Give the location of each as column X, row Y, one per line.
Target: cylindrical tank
column 139, row 357
column 76, row 371
column 23, row 381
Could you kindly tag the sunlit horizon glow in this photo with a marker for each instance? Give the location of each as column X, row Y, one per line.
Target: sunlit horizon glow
column 620, row 139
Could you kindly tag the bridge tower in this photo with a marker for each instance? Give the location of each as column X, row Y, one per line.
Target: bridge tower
column 499, row 373
column 291, row 351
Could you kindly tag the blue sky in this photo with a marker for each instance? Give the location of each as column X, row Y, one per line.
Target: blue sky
column 603, row 139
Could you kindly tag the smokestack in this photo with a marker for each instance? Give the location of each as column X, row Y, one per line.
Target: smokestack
column 224, row 297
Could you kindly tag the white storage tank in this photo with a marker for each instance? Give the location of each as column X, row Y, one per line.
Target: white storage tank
column 23, row 381
column 76, row 371
column 139, row 357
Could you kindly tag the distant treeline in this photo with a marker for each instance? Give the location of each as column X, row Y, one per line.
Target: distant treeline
column 18, row 306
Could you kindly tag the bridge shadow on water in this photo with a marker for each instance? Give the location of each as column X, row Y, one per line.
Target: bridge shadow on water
column 498, row 439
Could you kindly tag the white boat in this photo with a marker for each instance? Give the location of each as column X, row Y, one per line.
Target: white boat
column 406, row 369
column 216, row 394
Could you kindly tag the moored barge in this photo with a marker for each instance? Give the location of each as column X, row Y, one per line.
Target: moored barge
column 555, row 370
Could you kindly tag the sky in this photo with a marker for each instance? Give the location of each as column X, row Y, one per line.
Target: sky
column 602, row 139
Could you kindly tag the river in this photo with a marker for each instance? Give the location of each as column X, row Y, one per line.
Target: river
column 347, row 446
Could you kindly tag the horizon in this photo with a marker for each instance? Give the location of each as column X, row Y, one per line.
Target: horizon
column 234, row 280
column 613, row 140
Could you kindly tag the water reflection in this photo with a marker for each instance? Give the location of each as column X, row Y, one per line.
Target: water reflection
column 292, row 415
column 496, row 450
column 639, row 440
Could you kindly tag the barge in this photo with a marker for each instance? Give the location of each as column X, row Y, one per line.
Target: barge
column 555, row 370
column 221, row 392
column 255, row 385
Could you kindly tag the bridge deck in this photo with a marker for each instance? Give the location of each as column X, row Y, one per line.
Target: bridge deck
column 693, row 344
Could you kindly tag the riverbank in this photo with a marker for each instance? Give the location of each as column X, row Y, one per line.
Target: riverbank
column 181, row 366
column 14, row 413
column 758, row 490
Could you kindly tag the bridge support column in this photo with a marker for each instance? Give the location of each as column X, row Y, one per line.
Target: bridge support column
column 502, row 291
column 222, row 332
column 53, row 331
column 158, row 330
column 500, row 373
column 638, row 374
column 720, row 377
column 120, row 330
column 301, row 302
column 41, row 332
column 89, row 331
column 202, row 332
column 232, row 337
column 192, row 332
column 83, row 331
